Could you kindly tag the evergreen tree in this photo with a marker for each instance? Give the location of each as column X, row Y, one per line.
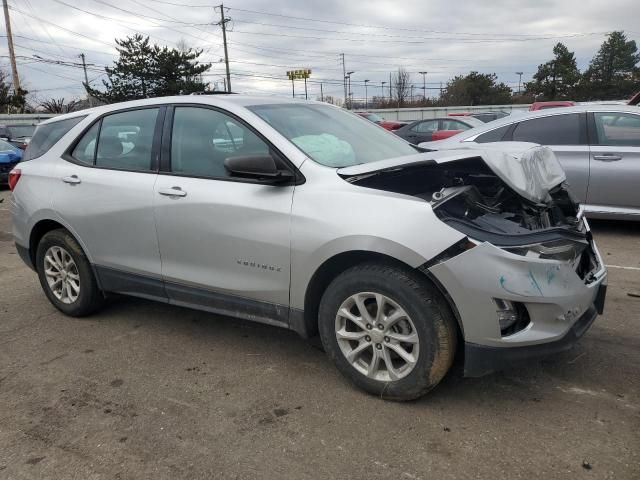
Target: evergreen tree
column 144, row 71
column 557, row 79
column 613, row 73
column 476, row 89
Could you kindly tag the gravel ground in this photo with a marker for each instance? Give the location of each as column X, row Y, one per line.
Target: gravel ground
column 145, row 390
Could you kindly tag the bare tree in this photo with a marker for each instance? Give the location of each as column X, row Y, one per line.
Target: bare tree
column 58, row 105
column 401, row 82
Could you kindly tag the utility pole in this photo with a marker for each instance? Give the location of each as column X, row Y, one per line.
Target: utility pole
column 321, row 93
column 519, row 80
column 366, row 100
column 411, row 93
column 12, row 55
column 344, row 76
column 305, row 89
column 223, row 24
column 382, row 88
column 424, row 86
column 86, row 80
column 390, row 95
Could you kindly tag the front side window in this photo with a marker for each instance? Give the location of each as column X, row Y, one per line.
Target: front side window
column 552, row 130
column 202, row 139
column 618, row 129
column 126, row 140
column 330, row 136
column 47, row 135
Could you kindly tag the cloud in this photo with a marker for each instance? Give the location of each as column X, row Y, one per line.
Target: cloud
column 441, row 37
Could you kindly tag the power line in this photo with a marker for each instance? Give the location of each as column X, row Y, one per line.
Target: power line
column 66, row 29
column 495, row 38
column 333, row 22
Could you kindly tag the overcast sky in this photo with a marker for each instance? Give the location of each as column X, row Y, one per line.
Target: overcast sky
column 443, row 37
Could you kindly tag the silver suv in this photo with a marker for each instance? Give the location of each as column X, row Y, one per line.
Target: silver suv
column 304, row 216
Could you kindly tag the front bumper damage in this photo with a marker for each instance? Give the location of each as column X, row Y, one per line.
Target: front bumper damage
column 560, row 304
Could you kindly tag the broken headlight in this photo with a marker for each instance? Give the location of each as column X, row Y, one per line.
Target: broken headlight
column 562, row 250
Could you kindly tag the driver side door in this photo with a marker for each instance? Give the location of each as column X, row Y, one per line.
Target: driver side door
column 224, row 241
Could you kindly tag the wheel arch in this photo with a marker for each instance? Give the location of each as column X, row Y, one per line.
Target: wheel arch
column 305, row 321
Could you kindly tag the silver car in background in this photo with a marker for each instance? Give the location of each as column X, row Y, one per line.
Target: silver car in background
column 598, row 146
column 304, row 216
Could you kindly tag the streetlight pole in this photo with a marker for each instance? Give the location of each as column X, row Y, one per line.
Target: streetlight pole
column 383, row 90
column 366, row 99
column 424, row 86
column 519, row 80
column 350, row 101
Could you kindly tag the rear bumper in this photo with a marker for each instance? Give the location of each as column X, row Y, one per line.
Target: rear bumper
column 481, row 360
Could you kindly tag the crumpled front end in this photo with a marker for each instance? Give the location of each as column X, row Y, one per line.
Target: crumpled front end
column 528, row 280
column 515, row 307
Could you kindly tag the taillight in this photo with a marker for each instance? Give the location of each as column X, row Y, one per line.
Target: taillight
column 14, row 176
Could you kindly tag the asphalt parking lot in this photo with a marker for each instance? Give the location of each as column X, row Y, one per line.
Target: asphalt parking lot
column 146, row 390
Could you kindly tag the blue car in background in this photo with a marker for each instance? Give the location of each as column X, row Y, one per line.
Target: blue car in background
column 9, row 158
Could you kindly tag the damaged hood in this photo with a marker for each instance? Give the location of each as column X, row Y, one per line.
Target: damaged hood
column 530, row 170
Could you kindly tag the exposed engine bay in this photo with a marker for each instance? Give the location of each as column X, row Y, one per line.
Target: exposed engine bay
column 468, row 192
column 467, row 195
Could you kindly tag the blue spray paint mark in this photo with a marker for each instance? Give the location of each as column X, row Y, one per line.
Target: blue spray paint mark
column 534, row 283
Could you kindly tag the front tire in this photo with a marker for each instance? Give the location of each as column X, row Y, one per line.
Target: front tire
column 66, row 275
column 388, row 330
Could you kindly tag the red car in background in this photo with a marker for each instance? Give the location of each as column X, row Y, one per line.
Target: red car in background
column 544, row 105
column 387, row 124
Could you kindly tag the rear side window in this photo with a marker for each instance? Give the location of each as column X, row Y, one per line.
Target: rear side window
column 85, row 149
column 553, row 130
column 47, row 135
column 493, row 136
column 125, row 140
column 424, row 127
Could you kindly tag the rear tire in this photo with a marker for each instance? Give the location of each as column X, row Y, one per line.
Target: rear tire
column 66, row 275
column 398, row 351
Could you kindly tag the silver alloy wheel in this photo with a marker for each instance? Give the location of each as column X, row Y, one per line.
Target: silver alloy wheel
column 377, row 337
column 62, row 274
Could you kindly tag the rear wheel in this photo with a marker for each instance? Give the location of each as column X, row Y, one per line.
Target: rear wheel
column 66, row 275
column 388, row 330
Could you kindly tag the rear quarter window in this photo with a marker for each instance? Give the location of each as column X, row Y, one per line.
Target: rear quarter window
column 47, row 135
column 495, row 135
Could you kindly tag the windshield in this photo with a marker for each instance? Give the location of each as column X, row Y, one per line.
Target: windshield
column 331, row 136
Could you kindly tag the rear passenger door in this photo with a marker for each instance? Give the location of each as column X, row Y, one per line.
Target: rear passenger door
column 615, row 160
column 566, row 135
column 105, row 194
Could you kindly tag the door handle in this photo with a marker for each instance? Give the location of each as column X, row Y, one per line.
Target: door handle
column 71, row 179
column 607, row 158
column 172, row 192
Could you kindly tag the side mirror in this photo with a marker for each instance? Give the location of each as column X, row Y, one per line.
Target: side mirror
column 260, row 167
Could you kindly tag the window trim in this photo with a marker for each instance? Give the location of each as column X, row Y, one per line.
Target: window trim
column 155, row 143
column 167, row 138
column 593, row 130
